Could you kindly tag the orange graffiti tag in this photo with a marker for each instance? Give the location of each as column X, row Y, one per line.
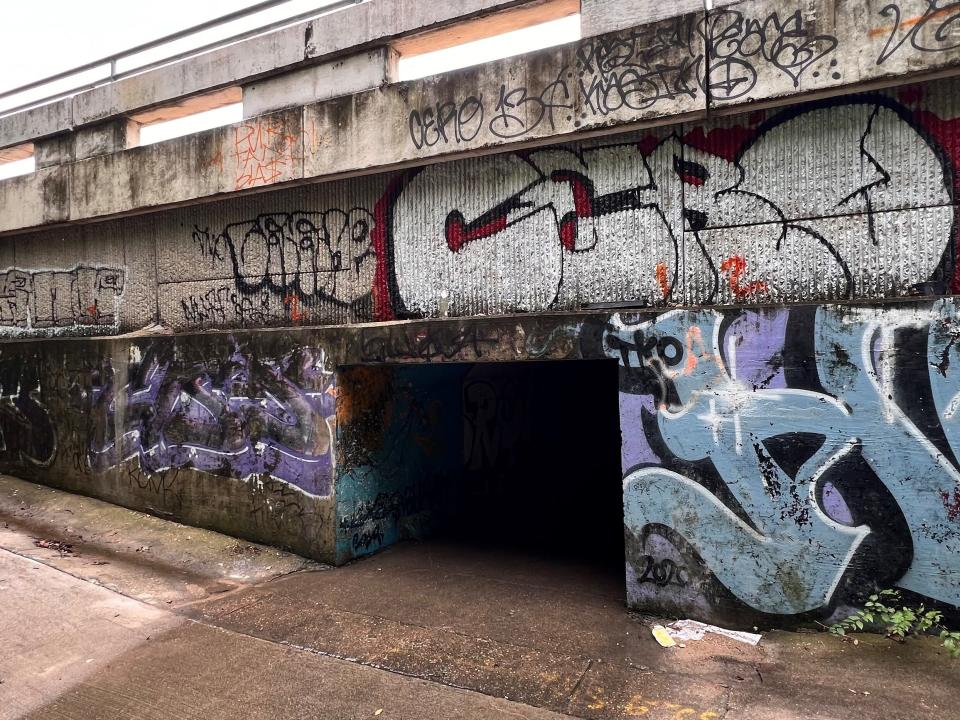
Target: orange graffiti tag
column 265, row 152
column 661, row 271
column 734, row 267
column 293, row 302
column 694, row 336
column 910, row 22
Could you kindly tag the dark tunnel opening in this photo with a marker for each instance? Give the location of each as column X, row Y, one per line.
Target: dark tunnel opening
column 541, row 460
column 512, row 457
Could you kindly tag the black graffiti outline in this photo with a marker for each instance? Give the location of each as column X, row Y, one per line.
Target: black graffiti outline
column 951, row 10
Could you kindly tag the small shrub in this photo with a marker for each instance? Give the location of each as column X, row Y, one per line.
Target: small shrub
column 886, row 611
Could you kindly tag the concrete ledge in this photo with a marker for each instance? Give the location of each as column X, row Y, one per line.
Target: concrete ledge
column 355, row 27
column 321, row 82
column 772, row 52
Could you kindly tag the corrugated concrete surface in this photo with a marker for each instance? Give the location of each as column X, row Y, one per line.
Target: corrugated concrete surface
column 845, row 199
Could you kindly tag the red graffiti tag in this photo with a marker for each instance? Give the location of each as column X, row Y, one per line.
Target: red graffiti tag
column 734, row 267
column 293, row 302
column 661, row 272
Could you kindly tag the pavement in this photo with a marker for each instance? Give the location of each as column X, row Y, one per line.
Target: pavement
column 109, row 613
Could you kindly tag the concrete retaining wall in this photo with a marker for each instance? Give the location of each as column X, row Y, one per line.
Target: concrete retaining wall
column 778, row 463
column 788, row 446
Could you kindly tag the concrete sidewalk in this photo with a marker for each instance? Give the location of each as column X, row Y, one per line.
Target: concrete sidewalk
column 214, row 628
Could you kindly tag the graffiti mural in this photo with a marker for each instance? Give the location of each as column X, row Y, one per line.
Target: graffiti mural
column 398, row 439
column 721, row 55
column 81, row 300
column 293, row 265
column 805, row 204
column 240, row 416
column 692, row 218
column 931, row 30
column 790, row 450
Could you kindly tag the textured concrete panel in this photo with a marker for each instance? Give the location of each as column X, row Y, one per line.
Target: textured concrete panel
column 876, row 255
column 83, row 280
column 847, row 198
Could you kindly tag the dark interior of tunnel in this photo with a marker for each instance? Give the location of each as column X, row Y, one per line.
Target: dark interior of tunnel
column 539, row 471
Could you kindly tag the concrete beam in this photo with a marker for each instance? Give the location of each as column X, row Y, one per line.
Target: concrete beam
column 316, row 83
column 505, row 21
column 357, row 27
column 599, row 17
column 769, row 52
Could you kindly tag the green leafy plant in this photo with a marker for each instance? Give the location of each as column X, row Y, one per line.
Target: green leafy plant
column 886, row 611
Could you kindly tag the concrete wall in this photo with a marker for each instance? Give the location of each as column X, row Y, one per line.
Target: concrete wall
column 842, row 199
column 778, row 462
column 400, row 437
column 788, row 445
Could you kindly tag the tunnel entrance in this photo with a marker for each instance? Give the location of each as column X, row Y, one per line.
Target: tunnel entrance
column 519, row 457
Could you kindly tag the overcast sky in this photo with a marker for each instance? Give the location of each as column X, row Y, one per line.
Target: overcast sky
column 43, row 37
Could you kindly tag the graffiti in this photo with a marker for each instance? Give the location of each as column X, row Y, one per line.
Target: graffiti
column 448, row 121
column 27, row 433
column 306, row 260
column 164, row 484
column 265, row 151
column 438, row 342
column 223, row 305
column 364, row 540
column 933, row 30
column 551, row 228
column 721, row 54
column 638, row 68
column 750, row 424
column 662, row 572
column 495, row 429
column 238, row 417
column 398, row 439
column 390, row 506
column 50, row 302
column 279, row 507
column 736, row 43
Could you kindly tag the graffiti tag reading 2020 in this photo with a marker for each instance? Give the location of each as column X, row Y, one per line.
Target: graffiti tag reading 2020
column 785, row 448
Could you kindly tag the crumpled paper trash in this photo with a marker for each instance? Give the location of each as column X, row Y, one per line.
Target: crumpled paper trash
column 684, row 630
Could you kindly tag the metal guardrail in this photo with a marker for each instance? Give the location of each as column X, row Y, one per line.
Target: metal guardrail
column 110, row 62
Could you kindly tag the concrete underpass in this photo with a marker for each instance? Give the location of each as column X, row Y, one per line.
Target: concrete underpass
column 410, row 395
